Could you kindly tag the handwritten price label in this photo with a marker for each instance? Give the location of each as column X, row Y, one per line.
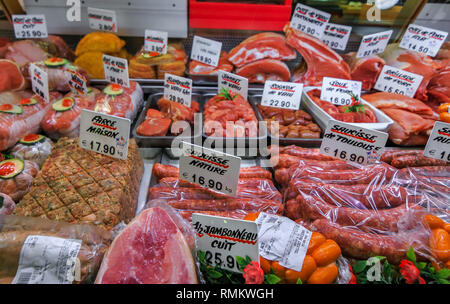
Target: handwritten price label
column 116, row 70
column 423, row 39
column 373, row 44
column 206, row 51
column 178, row 89
column 29, row 26
column 155, row 41
column 340, row 91
column 438, row 145
column 39, row 82
column 309, row 20
column 102, row 19
column 233, row 82
column 279, row 94
column 336, row 36
column 393, row 80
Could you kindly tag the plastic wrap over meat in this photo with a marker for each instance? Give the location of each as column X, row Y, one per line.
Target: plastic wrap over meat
column 14, row 230
column 255, row 192
column 67, row 123
column 37, row 152
column 6, row 204
column 16, row 187
column 373, row 210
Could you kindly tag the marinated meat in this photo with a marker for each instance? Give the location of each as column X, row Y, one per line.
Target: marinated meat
column 266, row 69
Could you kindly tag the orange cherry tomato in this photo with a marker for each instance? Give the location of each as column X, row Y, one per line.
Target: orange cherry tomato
column 447, row 264
column 432, row 221
column 251, row 216
column 444, row 116
column 278, row 270
column 265, row 265
column 443, row 107
column 440, row 244
column 324, row 275
column 308, row 267
column 316, row 240
column 326, row 253
column 446, row 227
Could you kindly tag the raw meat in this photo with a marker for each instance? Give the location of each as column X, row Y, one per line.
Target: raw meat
column 57, row 47
column 4, row 43
column 25, row 51
column 15, row 126
column 364, row 69
column 14, row 97
column 413, row 62
column 261, row 46
column 11, row 78
column 67, row 123
column 321, row 60
column 199, row 68
column 17, row 186
column 150, row 250
column 266, row 69
column 6, row 204
column 36, row 152
column 439, row 88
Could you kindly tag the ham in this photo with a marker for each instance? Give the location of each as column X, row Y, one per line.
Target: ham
column 11, row 78
column 150, row 250
column 25, row 51
column 266, row 45
column 266, row 69
column 366, row 69
column 321, row 60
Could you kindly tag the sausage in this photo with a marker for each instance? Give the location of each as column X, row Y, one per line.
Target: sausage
column 427, row 171
column 259, row 183
column 250, row 205
column 366, row 220
column 390, row 155
column 254, row 172
column 286, row 161
column 363, row 196
column 300, row 152
column 416, row 161
column 360, row 245
column 161, row 171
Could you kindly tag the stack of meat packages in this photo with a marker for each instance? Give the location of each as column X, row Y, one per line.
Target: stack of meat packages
column 372, row 210
column 255, row 193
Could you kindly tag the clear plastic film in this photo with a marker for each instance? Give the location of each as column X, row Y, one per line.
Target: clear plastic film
column 36, row 152
column 14, row 231
column 373, row 210
column 16, row 187
column 6, row 204
column 67, row 123
column 255, row 193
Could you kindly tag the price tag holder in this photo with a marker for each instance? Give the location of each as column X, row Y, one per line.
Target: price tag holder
column 104, row 134
column 29, row 26
column 309, row 20
column 206, row 50
column 233, row 82
column 178, row 89
column 373, row 44
column 279, row 94
column 340, row 92
column 423, row 39
column 353, row 144
column 116, row 70
column 156, row 41
column 438, row 145
column 39, row 82
column 336, row 36
column 77, row 83
column 209, row 168
column 222, row 239
column 102, row 19
column 393, row 80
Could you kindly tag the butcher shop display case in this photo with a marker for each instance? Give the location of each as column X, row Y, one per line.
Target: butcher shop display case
column 224, row 142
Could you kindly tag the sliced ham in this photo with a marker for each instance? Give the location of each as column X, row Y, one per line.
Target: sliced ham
column 150, row 250
column 321, row 60
column 24, row 51
column 11, row 78
column 266, row 69
column 364, row 69
column 261, row 46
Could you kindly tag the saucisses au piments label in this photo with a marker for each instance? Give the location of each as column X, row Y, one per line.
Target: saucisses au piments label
column 116, row 70
column 155, row 41
column 423, row 39
column 178, row 89
column 104, row 134
column 393, row 80
column 340, row 91
column 336, row 36
column 206, row 50
column 280, row 94
column 209, row 168
column 29, row 26
column 233, row 82
column 309, row 20
column 353, row 144
column 373, row 44
column 222, row 239
column 39, row 82
column 438, row 145
column 102, row 19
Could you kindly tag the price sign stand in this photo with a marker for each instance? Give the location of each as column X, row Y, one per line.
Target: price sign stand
column 438, row 145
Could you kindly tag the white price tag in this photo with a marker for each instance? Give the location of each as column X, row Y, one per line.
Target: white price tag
column 206, row 51
column 423, row 39
column 222, row 239
column 48, row 260
column 279, row 94
column 309, row 20
column 393, row 80
column 156, row 41
column 352, row 144
column 29, row 26
column 233, row 82
column 340, row 92
column 438, row 145
column 209, row 168
column 336, row 36
column 373, row 44
column 77, row 82
column 104, row 134
column 102, row 19
column 116, row 70
column 39, row 82
column 178, row 89
column 283, row 240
